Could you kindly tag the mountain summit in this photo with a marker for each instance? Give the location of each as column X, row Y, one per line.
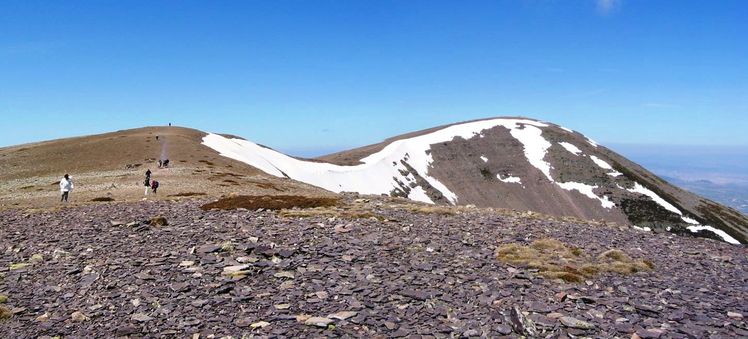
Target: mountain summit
column 515, row 163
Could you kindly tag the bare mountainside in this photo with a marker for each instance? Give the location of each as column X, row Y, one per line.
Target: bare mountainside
column 112, row 166
column 514, row 163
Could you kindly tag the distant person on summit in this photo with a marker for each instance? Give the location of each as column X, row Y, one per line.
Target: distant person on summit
column 66, row 186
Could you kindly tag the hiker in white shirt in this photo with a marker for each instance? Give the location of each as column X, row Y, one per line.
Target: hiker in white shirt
column 66, row 186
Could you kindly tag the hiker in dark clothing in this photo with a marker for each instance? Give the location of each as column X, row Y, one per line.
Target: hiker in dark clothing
column 147, row 180
column 160, row 163
column 166, row 163
column 154, row 186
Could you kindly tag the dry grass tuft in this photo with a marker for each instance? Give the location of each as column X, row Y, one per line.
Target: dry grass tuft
column 614, row 254
column 556, row 260
column 434, row 209
column 5, row 313
column 329, row 212
column 158, row 221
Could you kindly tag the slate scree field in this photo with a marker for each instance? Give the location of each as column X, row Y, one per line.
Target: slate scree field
column 502, row 227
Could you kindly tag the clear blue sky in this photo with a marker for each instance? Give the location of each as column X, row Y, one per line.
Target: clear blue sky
column 309, row 76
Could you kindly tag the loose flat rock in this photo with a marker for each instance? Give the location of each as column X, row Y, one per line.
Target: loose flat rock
column 140, row 317
column 78, row 316
column 318, row 321
column 343, row 315
column 576, row 323
column 259, row 324
column 284, row 274
column 735, row 315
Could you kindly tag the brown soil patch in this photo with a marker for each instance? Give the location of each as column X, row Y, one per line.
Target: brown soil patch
column 267, row 185
column 187, row 194
column 270, row 202
column 557, row 260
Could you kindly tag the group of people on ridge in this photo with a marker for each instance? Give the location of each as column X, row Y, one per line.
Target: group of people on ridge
column 150, row 184
column 66, row 185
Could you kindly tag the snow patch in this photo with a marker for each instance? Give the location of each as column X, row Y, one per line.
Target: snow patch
column 638, row 188
column 535, row 147
column 483, row 157
column 690, row 221
column 591, row 142
column 604, row 165
column 722, row 234
column 418, row 194
column 601, row 163
column 646, row 229
column 565, row 129
column 587, row 190
column 571, row 148
column 510, row 179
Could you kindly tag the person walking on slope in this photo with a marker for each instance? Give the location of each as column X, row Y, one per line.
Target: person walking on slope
column 147, row 181
column 66, row 186
column 154, row 186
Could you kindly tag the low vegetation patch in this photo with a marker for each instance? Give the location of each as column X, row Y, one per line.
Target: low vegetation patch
column 158, row 221
column 270, row 202
column 102, row 199
column 18, row 266
column 327, row 212
column 433, row 209
column 556, row 260
column 5, row 313
column 187, row 194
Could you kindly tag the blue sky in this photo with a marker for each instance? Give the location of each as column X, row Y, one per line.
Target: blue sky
column 315, row 76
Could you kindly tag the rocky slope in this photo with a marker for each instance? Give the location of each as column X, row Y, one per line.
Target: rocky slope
column 513, row 163
column 100, row 271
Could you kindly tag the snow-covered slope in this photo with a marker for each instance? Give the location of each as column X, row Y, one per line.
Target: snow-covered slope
column 386, row 170
column 396, row 166
column 502, row 162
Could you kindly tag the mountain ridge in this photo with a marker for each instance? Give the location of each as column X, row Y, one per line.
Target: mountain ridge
column 534, row 165
column 514, row 163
